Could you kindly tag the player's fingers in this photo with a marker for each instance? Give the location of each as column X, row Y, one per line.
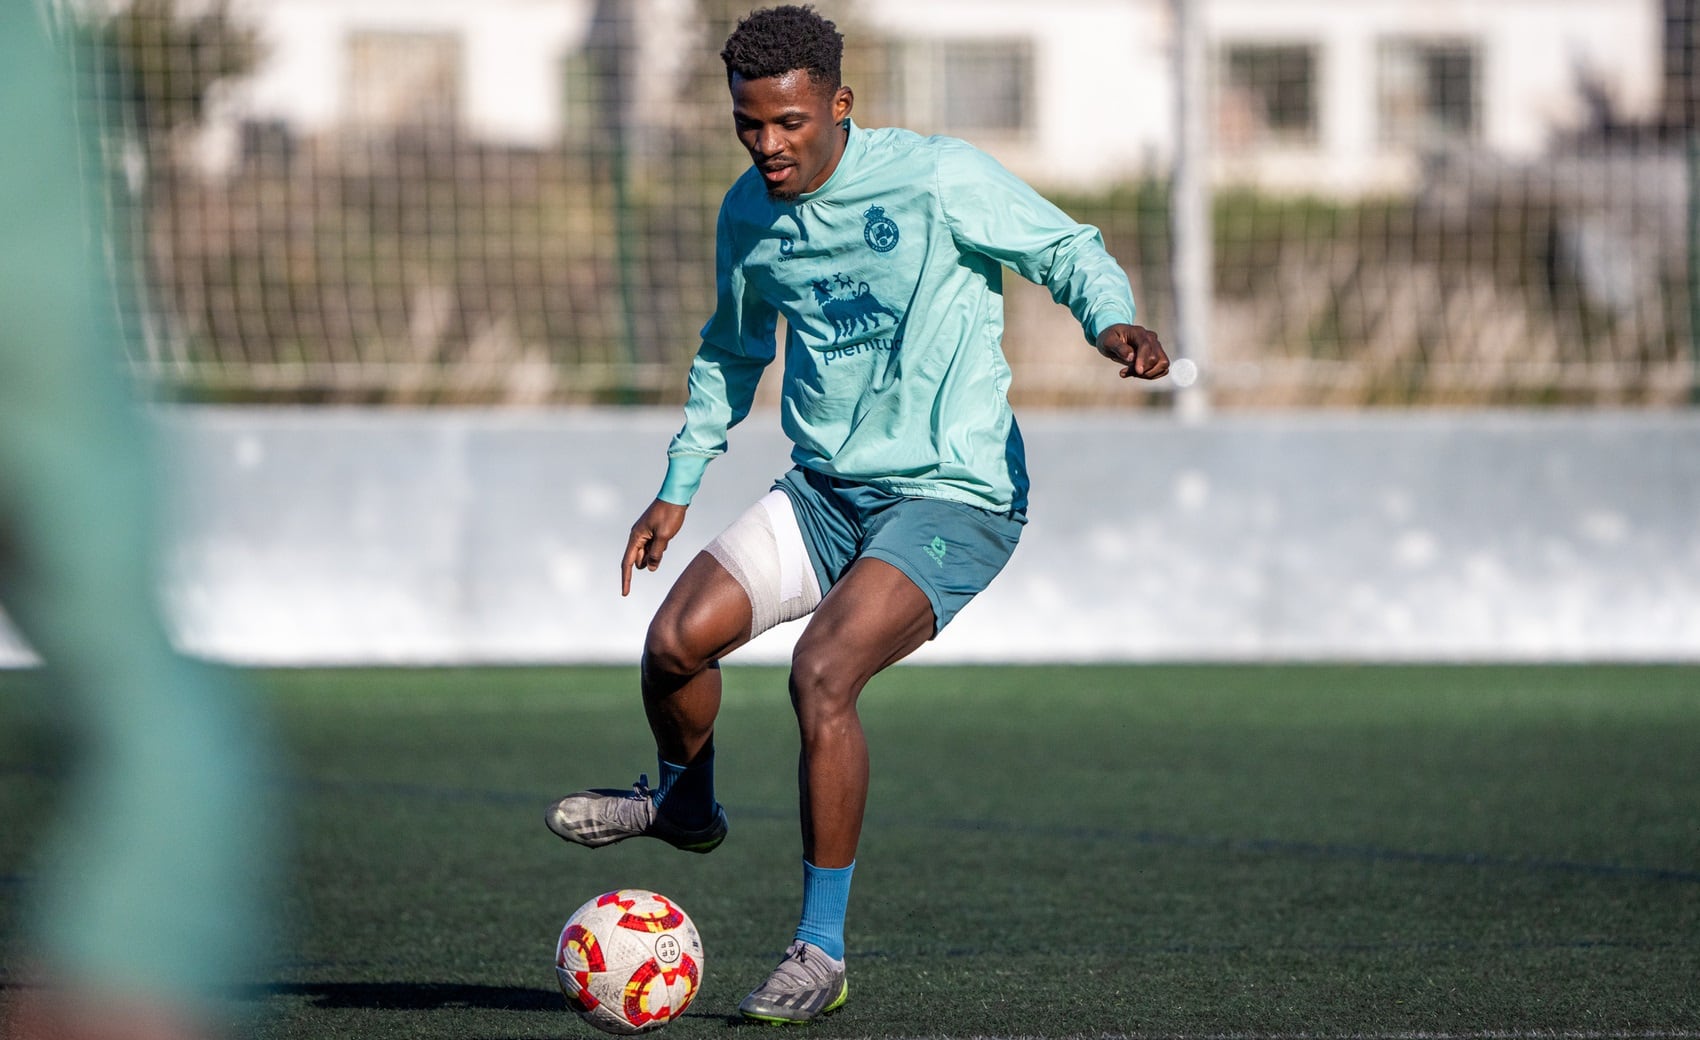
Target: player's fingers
column 1114, row 345
column 1122, row 353
column 1152, row 363
column 633, row 558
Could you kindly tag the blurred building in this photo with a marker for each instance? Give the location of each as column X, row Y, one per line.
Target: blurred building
column 1350, row 94
column 1331, row 95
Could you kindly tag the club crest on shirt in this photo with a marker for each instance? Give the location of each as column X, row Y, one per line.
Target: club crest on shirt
column 880, row 231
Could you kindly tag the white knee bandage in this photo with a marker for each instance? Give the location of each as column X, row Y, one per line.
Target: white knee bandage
column 764, row 551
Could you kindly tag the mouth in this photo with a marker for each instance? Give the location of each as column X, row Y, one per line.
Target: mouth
column 776, row 174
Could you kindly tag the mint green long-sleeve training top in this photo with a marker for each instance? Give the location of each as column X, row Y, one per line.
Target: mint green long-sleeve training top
column 890, row 281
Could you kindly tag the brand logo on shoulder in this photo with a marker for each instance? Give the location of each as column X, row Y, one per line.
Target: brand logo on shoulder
column 880, row 231
column 787, row 249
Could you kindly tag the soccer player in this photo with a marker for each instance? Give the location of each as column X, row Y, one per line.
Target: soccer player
column 884, row 252
column 151, row 903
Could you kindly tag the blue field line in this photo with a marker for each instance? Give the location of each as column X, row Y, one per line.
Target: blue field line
column 1273, row 847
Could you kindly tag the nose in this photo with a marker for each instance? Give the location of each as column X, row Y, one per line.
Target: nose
column 769, row 142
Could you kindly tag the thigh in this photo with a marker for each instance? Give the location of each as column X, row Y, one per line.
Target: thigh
column 872, row 618
column 705, row 615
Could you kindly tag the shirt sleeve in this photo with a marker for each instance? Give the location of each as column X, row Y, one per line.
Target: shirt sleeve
column 993, row 212
column 738, row 343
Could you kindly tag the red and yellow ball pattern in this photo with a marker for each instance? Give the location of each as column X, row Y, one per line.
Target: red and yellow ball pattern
column 629, row 961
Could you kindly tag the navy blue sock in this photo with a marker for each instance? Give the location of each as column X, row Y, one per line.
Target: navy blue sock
column 826, row 897
column 686, row 793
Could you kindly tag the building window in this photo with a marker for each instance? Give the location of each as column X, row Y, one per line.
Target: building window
column 403, row 80
column 965, row 87
column 1430, row 92
column 1266, row 95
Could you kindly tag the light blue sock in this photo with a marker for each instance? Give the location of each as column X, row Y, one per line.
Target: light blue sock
column 826, row 897
column 686, row 793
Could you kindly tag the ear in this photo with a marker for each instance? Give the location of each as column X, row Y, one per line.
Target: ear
column 842, row 101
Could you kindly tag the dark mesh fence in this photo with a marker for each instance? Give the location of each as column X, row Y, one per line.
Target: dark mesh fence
column 445, row 226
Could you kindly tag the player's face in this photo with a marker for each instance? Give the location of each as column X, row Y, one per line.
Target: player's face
column 790, row 127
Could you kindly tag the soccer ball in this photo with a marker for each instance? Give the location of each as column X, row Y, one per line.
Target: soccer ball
column 629, row 961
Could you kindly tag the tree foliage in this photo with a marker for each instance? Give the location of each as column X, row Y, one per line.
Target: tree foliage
column 162, row 64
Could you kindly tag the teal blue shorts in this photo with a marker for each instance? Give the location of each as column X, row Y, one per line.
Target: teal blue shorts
column 950, row 550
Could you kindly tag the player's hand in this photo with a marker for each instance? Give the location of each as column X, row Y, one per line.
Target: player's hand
column 1137, row 349
column 649, row 538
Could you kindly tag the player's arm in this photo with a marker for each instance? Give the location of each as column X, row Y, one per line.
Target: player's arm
column 722, row 390
column 737, row 346
column 994, row 212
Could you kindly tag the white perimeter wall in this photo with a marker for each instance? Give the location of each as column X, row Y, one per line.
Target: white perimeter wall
column 310, row 537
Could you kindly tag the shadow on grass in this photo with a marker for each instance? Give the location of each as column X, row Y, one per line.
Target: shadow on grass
column 426, row 996
column 420, row 996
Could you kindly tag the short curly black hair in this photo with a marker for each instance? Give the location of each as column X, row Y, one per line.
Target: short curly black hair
column 777, row 40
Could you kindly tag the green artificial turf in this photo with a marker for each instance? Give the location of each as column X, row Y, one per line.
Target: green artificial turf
column 1333, row 851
